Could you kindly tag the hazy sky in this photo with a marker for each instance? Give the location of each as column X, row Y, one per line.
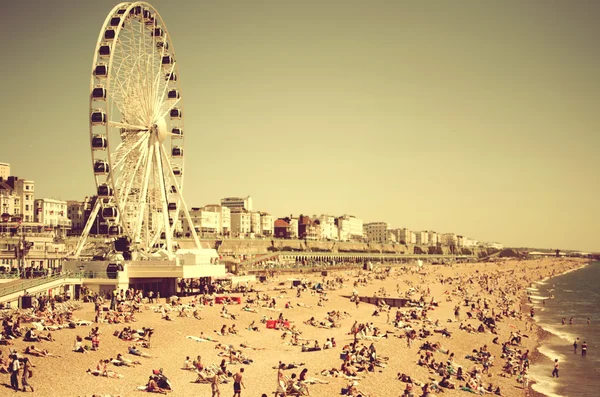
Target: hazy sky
column 477, row 117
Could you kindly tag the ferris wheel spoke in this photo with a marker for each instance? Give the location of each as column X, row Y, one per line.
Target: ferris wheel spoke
column 167, row 109
column 163, row 192
column 160, row 100
column 184, row 208
column 127, row 126
column 125, row 151
column 136, row 235
column 132, row 178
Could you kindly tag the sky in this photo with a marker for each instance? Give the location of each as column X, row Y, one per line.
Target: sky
column 475, row 117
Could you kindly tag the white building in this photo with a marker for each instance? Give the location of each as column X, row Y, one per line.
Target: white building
column 497, row 246
column 403, row 236
column 52, row 214
column 240, row 224
column 377, row 232
column 236, row 204
column 4, row 171
column 350, row 228
column 329, row 229
column 17, row 198
column 433, row 238
column 469, row 242
column 224, row 218
column 422, row 238
column 255, row 226
column 204, row 222
column 293, row 227
column 267, row 224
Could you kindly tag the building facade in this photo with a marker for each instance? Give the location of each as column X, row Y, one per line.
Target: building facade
column 224, row 214
column 329, row 229
column 4, row 171
column 76, row 213
column 267, row 224
column 18, row 198
column 206, row 223
column 377, row 232
column 52, row 214
column 237, row 203
column 240, row 224
column 350, row 228
column 433, row 238
column 422, row 238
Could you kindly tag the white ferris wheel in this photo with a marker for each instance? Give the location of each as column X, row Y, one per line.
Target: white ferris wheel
column 137, row 131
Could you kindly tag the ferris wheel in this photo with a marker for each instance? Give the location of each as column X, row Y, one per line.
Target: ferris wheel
column 137, row 131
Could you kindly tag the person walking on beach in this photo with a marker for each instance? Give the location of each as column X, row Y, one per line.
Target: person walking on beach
column 575, row 345
column 238, row 382
column 15, row 367
column 214, row 385
column 584, row 349
column 26, row 374
column 555, row 370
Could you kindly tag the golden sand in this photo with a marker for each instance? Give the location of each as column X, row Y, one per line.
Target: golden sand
column 67, row 376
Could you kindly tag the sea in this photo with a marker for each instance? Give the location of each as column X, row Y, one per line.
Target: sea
column 576, row 295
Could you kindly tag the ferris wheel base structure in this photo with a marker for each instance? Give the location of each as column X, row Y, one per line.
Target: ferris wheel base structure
column 157, row 275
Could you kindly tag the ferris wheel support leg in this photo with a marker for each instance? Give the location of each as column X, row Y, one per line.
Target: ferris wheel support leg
column 168, row 232
column 138, row 229
column 186, row 213
column 88, row 227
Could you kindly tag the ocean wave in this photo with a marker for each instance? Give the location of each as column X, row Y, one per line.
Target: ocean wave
column 551, row 354
column 539, row 297
column 561, row 333
column 546, row 387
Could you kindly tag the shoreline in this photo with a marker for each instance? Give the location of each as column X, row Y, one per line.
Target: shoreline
column 543, row 334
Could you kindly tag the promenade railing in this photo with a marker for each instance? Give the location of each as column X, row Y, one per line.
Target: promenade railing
column 25, row 284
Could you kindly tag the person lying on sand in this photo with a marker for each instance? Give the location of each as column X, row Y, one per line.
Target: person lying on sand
column 136, row 352
column 121, row 361
column 34, row 351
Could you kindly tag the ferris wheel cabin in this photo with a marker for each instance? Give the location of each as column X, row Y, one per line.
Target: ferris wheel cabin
column 101, row 70
column 99, row 142
column 177, row 131
column 175, row 113
column 98, row 117
column 109, row 212
column 99, row 93
column 101, row 167
column 177, row 151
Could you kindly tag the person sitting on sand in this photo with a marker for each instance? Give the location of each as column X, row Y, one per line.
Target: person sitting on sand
column 78, row 347
column 152, row 386
column 445, row 382
column 187, row 364
column 31, row 336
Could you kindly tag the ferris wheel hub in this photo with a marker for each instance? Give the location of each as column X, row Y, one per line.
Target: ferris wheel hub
column 159, row 129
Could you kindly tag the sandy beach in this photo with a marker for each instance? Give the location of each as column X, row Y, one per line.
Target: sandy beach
column 494, row 289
